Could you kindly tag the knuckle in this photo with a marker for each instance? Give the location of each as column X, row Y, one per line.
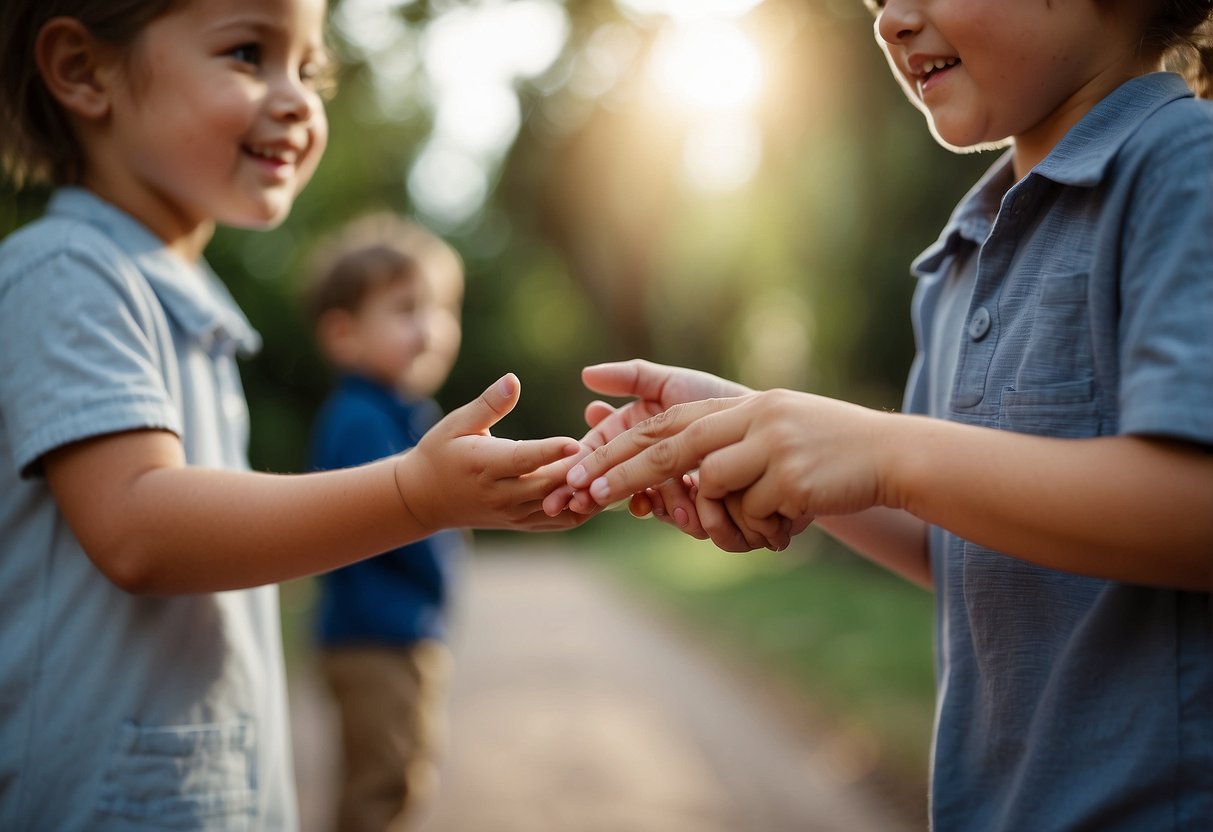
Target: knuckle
column 664, row 458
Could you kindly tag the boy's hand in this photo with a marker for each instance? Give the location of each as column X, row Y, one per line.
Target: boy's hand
column 765, row 455
column 460, row 475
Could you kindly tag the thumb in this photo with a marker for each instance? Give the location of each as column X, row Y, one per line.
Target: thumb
column 480, row 414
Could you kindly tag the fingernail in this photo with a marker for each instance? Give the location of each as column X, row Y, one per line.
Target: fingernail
column 504, row 386
column 600, row 489
column 681, row 517
column 577, row 476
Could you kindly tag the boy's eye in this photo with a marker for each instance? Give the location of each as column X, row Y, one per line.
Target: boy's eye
column 247, row 53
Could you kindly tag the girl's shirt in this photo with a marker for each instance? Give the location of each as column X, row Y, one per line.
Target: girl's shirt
column 119, row 711
column 1068, row 702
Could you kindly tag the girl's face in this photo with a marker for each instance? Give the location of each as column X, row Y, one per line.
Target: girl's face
column 985, row 71
column 216, row 116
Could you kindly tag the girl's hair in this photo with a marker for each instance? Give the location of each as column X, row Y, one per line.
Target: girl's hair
column 37, row 142
column 1183, row 31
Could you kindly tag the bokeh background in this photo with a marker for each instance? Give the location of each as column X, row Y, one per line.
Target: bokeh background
column 733, row 185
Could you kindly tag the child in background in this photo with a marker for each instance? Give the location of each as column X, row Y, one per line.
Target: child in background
column 1055, row 483
column 141, row 681
column 384, row 306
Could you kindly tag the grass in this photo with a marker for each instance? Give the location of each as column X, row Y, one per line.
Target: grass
column 848, row 637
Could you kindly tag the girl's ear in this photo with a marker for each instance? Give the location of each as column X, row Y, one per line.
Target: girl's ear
column 73, row 66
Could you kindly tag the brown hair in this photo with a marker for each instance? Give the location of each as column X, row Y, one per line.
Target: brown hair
column 1182, row 30
column 371, row 252
column 37, row 143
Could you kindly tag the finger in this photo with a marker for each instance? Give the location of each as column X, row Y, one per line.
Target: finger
column 732, row 469
column 582, row 503
column 659, row 448
column 639, row 378
column 480, row 414
column 513, row 458
column 596, row 411
column 640, row 505
column 719, row 526
column 617, row 421
column 753, row 538
column 680, row 506
column 558, row 500
column 656, row 500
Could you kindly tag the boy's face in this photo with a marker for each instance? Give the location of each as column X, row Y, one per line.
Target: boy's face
column 218, row 117
column 987, row 70
column 388, row 332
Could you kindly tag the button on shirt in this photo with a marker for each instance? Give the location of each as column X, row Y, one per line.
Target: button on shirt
column 1068, row 702
column 120, row 712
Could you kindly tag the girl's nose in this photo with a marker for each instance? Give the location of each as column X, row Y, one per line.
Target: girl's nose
column 291, row 99
column 899, row 21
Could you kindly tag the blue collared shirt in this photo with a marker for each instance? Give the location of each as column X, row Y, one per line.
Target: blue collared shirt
column 121, row 712
column 401, row 596
column 1067, row 702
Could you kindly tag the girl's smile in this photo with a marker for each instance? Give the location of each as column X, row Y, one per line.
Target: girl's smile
column 218, row 118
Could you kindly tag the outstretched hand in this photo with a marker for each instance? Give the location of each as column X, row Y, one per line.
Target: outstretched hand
column 654, row 388
column 764, row 455
column 460, row 475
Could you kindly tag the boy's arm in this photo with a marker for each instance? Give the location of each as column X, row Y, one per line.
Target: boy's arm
column 154, row 525
column 1126, row 508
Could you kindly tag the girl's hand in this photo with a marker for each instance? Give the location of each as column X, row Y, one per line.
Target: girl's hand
column 790, row 454
column 460, row 475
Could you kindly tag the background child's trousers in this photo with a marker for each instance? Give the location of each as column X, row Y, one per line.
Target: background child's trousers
column 392, row 703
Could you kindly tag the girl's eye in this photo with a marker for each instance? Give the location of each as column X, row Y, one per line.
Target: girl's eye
column 247, row 53
column 320, row 76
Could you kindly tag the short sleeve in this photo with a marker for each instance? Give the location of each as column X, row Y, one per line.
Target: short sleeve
column 1166, row 303
column 83, row 348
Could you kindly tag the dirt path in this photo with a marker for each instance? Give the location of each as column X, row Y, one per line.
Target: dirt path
column 574, row 710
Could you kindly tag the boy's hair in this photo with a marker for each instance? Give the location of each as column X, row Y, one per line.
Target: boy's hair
column 1183, row 30
column 374, row 251
column 37, row 143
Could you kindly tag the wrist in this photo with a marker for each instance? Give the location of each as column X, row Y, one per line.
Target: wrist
column 899, row 446
column 402, row 476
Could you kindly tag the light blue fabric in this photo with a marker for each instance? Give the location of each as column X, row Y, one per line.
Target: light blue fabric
column 1067, row 702
column 121, row 712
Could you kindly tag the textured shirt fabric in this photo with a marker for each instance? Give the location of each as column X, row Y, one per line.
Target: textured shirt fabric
column 1068, row 702
column 401, row 596
column 120, row 712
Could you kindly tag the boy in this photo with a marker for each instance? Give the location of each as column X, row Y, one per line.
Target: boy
column 384, row 307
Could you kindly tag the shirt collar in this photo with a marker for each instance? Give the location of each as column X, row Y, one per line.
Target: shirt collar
column 1081, row 159
column 191, row 294
column 1083, row 155
column 972, row 219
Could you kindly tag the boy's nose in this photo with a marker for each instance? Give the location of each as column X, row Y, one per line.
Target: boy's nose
column 899, row 21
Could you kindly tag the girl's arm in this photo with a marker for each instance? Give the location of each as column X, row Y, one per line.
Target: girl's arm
column 154, row 525
column 1126, row 508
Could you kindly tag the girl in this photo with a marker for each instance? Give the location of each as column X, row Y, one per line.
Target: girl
column 1056, row 489
column 141, row 682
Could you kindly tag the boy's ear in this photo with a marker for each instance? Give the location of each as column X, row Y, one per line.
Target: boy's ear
column 75, row 66
column 335, row 334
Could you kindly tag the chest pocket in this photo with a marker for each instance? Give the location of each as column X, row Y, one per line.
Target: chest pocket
column 1054, row 389
column 196, row 777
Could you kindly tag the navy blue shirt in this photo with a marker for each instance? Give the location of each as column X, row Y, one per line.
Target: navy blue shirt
column 399, row 597
column 1064, row 701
